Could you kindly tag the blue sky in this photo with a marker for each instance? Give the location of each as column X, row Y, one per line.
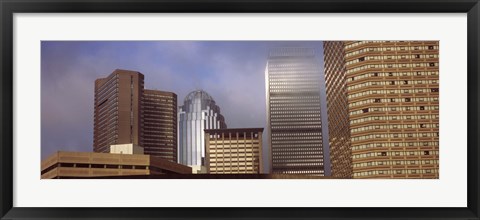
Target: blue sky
column 232, row 72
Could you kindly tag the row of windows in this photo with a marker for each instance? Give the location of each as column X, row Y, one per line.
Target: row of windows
column 395, row 145
column 415, row 49
column 388, row 172
column 427, row 47
column 394, row 117
column 390, row 57
column 300, row 110
column 395, row 153
column 395, row 126
column 295, row 90
column 275, row 113
column 395, row 135
column 296, row 134
column 317, row 137
column 296, row 127
column 394, row 162
column 393, row 74
column 289, row 141
column 402, row 108
column 395, row 82
column 367, row 101
column 390, row 65
column 302, row 104
column 391, row 91
column 294, row 164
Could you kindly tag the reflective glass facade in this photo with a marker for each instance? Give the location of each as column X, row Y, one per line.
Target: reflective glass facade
column 294, row 112
column 198, row 112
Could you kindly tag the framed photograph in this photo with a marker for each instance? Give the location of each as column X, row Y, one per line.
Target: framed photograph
column 230, row 109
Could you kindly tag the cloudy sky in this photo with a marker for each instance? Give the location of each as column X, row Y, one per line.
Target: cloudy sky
column 232, row 72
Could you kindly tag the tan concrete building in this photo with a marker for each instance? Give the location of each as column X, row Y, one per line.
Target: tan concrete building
column 86, row 164
column 393, row 106
column 160, row 124
column 234, row 151
column 117, row 110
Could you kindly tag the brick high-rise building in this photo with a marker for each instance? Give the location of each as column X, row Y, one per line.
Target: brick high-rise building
column 160, row 124
column 126, row 113
column 294, row 113
column 117, row 110
column 393, row 107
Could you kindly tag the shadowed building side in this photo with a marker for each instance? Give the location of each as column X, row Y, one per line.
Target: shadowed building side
column 337, row 108
column 160, row 124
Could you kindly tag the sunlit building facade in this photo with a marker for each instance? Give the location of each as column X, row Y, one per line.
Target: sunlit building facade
column 234, row 150
column 393, row 106
column 294, row 112
column 198, row 112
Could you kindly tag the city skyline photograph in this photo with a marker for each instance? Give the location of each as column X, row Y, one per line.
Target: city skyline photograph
column 239, row 109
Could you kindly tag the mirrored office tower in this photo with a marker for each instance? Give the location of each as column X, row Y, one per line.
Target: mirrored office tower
column 294, row 113
column 199, row 112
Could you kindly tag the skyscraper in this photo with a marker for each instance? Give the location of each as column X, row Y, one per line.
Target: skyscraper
column 393, row 107
column 160, row 124
column 337, row 102
column 234, row 150
column 294, row 113
column 126, row 113
column 198, row 112
column 117, row 110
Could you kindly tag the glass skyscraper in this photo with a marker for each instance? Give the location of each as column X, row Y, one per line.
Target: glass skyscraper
column 199, row 112
column 293, row 84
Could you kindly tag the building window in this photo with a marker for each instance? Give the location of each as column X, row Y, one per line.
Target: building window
column 417, row 56
column 434, row 90
column 405, row 82
column 407, row 99
column 365, row 110
column 431, row 64
column 430, row 47
column 426, row 152
column 361, row 59
column 384, row 154
column 377, row 100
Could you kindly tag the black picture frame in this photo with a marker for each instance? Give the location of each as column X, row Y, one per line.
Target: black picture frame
column 9, row 7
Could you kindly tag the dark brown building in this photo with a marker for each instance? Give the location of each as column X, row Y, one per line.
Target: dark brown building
column 126, row 113
column 160, row 124
column 337, row 108
column 116, row 112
